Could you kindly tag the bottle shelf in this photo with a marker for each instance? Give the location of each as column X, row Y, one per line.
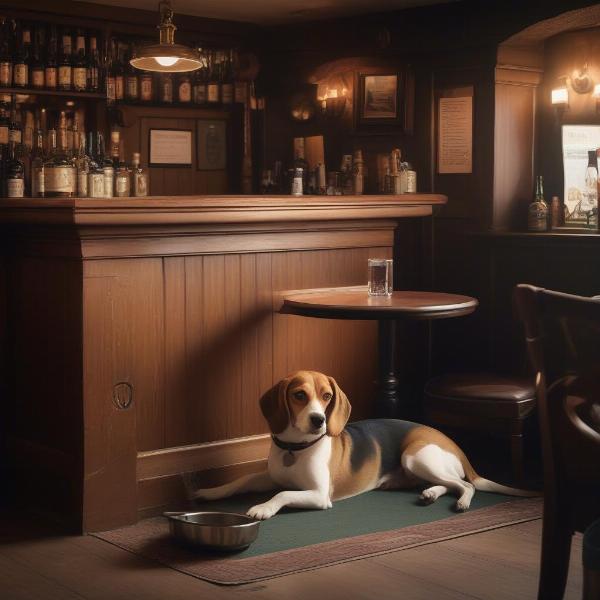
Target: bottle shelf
column 44, row 92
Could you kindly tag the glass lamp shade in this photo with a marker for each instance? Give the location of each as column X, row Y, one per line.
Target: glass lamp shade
column 166, row 58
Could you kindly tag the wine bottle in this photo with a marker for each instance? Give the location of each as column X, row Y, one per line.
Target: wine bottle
column 65, row 66
column 93, row 67
column 119, row 75
column 37, row 162
column 213, row 95
column 146, row 87
column 227, row 81
column 38, row 67
column 51, row 71
column 132, row 87
column 6, row 55
column 14, row 174
column 537, row 219
column 80, row 64
column 22, row 57
column 199, row 82
column 110, row 83
column 184, row 89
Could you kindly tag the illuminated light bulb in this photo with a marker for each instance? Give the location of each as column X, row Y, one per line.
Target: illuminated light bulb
column 560, row 96
column 596, row 92
column 166, row 61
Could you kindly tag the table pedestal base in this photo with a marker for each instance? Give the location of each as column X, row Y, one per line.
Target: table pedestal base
column 387, row 400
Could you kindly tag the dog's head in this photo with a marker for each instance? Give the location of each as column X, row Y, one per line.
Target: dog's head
column 308, row 401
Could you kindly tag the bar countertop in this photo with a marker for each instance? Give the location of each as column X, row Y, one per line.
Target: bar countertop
column 173, row 210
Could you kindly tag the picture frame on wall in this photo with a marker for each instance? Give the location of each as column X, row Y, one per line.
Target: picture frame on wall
column 170, row 148
column 383, row 101
column 211, row 144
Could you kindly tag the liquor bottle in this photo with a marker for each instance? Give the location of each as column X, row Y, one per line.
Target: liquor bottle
column 358, row 173
column 15, row 133
column 38, row 67
column 37, row 163
column 80, row 64
column 122, row 177
column 184, row 89
column 65, row 64
column 537, row 216
column 106, row 165
column 6, row 55
column 166, row 88
column 95, row 173
column 82, row 164
column 199, row 83
column 146, row 87
column 51, row 72
column 132, row 85
column 213, row 92
column 589, row 204
column 109, row 79
column 4, row 122
column 93, row 66
column 14, row 174
column 59, row 172
column 119, row 72
column 22, row 58
column 115, row 147
column 139, row 177
column 227, row 82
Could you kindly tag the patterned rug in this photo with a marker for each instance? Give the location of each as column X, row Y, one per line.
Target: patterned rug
column 293, row 541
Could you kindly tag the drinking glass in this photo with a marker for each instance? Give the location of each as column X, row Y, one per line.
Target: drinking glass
column 380, row 276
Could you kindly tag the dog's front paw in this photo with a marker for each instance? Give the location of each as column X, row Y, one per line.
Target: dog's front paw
column 462, row 505
column 260, row 512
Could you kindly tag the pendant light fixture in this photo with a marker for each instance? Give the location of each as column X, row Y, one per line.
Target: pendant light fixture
column 166, row 56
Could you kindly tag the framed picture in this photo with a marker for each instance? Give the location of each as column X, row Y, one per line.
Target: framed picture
column 212, row 144
column 170, row 148
column 383, row 101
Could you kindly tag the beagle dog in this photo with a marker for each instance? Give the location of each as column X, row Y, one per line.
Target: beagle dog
column 315, row 458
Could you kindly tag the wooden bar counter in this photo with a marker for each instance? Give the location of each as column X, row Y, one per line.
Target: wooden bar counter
column 138, row 334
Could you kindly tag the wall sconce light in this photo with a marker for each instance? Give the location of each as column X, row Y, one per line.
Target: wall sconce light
column 333, row 102
column 560, row 95
column 580, row 80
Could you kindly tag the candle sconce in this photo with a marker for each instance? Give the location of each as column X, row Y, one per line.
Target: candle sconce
column 333, row 102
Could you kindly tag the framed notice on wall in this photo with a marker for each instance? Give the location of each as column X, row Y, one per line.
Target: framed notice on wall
column 170, row 148
column 212, row 145
column 455, row 131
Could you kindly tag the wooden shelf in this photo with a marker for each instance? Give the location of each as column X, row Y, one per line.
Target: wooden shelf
column 43, row 92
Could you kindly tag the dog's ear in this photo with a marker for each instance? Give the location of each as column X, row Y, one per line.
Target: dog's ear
column 338, row 411
column 273, row 405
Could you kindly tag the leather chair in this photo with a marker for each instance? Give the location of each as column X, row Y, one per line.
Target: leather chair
column 563, row 340
column 484, row 403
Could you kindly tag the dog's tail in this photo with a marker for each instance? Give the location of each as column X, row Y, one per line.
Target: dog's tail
column 482, row 484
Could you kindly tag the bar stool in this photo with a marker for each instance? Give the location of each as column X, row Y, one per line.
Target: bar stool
column 485, row 403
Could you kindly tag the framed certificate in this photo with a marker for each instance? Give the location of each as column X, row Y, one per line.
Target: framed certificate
column 170, row 148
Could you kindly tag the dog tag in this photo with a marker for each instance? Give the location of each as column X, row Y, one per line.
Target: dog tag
column 289, row 458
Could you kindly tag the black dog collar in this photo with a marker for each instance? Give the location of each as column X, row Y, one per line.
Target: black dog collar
column 295, row 446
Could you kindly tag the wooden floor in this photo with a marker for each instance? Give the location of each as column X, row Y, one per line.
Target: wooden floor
column 37, row 564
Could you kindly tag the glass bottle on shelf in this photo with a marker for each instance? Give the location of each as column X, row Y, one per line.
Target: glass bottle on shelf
column 21, row 62
column 14, row 174
column 119, row 75
column 80, row 64
column 95, row 172
column 37, row 163
column 227, row 80
column 4, row 122
column 93, row 66
column 107, row 167
column 59, row 171
column 109, row 79
column 213, row 95
column 15, row 133
column 146, row 87
column 537, row 215
column 82, row 164
column 199, row 82
column 184, row 89
column 589, row 205
column 115, row 147
column 166, row 88
column 122, row 177
column 38, row 66
column 65, row 64
column 6, row 55
column 132, row 86
column 51, row 71
column 139, row 177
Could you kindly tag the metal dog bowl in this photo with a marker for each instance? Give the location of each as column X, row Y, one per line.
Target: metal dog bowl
column 213, row 530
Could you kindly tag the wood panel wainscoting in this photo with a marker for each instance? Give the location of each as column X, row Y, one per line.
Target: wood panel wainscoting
column 140, row 333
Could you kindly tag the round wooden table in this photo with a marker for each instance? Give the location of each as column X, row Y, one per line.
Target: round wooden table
column 355, row 303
